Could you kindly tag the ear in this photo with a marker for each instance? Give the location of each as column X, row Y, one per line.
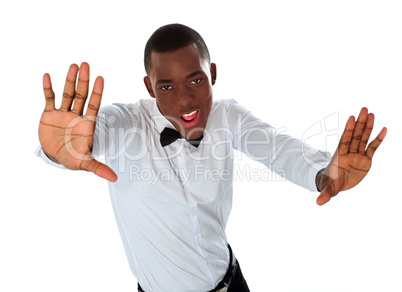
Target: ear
column 148, row 85
column 213, row 73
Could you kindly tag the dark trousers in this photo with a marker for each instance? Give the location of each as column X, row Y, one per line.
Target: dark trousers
column 238, row 284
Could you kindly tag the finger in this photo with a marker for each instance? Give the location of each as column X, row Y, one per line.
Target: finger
column 95, row 100
column 373, row 146
column 366, row 134
column 326, row 195
column 49, row 93
column 100, row 169
column 346, row 138
column 358, row 131
column 323, row 198
column 69, row 88
column 81, row 93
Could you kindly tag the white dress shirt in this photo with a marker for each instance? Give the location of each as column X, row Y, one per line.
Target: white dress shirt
column 172, row 203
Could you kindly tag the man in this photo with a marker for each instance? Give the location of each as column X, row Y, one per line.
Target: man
column 169, row 161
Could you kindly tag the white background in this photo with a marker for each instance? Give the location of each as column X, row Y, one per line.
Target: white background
column 292, row 63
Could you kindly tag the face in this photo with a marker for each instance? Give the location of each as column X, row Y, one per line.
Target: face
column 181, row 81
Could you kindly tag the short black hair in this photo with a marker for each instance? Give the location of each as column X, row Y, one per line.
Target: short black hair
column 172, row 37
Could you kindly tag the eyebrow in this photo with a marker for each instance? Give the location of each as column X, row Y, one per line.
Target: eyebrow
column 188, row 76
column 194, row 74
column 164, row 81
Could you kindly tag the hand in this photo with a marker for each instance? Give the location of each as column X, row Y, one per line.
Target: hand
column 352, row 159
column 65, row 134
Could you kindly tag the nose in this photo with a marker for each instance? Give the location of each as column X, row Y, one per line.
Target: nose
column 184, row 96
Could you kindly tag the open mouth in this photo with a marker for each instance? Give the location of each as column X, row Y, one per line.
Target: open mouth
column 190, row 119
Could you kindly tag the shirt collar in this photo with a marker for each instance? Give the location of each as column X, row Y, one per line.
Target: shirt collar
column 160, row 121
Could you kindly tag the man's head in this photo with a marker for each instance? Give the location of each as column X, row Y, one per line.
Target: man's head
column 180, row 77
column 170, row 38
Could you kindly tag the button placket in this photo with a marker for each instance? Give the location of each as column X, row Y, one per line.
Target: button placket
column 184, row 176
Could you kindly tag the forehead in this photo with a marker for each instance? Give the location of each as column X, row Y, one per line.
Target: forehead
column 182, row 61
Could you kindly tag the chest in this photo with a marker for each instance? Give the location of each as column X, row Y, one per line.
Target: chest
column 180, row 173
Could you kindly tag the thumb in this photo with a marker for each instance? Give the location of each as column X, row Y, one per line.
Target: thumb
column 326, row 195
column 100, row 169
column 323, row 198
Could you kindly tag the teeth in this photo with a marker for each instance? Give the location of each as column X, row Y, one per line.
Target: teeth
column 190, row 114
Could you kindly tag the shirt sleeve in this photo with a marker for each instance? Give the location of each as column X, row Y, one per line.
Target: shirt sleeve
column 114, row 124
column 109, row 120
column 289, row 157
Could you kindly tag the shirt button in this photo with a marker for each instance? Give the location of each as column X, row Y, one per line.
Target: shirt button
column 180, row 155
column 198, row 237
column 187, row 189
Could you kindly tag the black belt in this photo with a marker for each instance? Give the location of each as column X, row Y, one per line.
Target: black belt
column 223, row 285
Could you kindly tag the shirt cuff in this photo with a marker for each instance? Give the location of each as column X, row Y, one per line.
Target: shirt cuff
column 313, row 174
column 39, row 153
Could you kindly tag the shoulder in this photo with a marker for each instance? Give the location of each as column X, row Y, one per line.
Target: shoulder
column 223, row 104
column 142, row 106
column 230, row 106
column 127, row 112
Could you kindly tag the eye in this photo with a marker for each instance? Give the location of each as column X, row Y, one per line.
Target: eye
column 195, row 81
column 166, row 87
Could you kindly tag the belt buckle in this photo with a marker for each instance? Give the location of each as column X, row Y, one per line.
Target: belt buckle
column 224, row 289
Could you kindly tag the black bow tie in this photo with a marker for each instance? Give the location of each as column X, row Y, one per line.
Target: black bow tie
column 168, row 136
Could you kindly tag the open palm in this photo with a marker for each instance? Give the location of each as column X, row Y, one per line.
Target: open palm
column 352, row 159
column 65, row 134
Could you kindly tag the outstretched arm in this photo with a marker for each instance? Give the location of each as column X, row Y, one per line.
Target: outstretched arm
column 352, row 159
column 65, row 134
